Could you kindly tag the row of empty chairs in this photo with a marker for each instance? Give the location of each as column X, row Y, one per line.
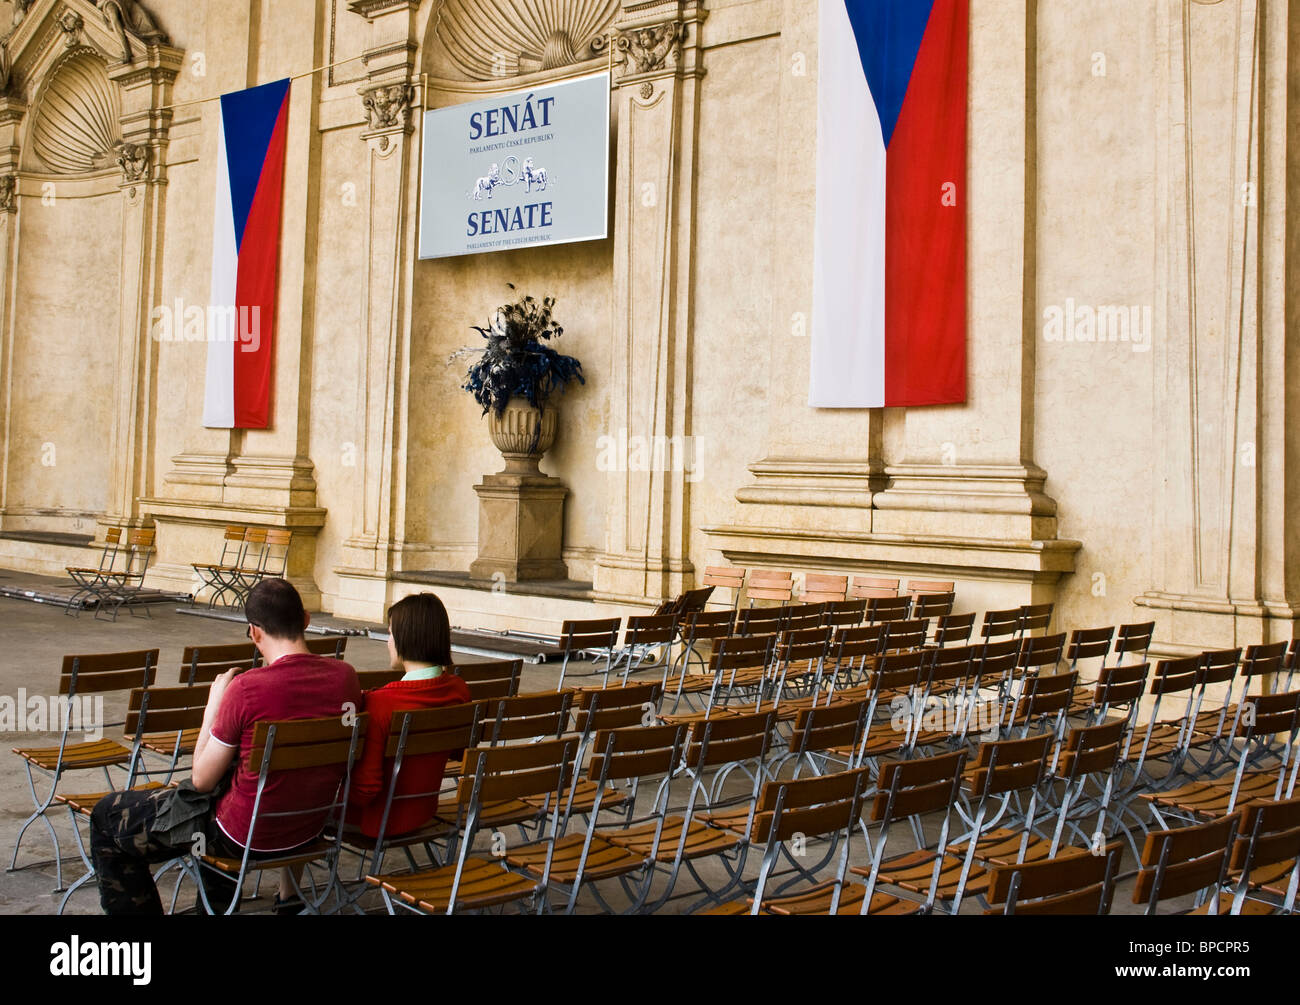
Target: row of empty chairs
column 117, row 580
column 248, row 555
column 779, row 586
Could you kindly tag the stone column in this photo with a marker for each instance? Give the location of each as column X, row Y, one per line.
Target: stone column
column 11, row 116
column 392, row 102
column 1224, row 569
column 656, row 96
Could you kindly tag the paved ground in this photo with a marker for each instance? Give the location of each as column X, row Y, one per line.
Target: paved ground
column 33, row 640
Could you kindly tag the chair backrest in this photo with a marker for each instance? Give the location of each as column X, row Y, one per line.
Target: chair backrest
column 232, row 545
column 650, row 629
column 526, row 716
column 813, row 807
column 166, row 709
column 933, row 605
column 728, row 577
column 1045, row 695
column 295, row 744
column 104, row 673
column 824, row 588
column 694, row 600
column 1263, row 661
column 1120, row 684
column 112, row 544
column 761, row 620
column 1220, row 665
column 770, row 584
column 327, row 645
column 914, row 788
column 701, row 626
column 275, row 556
column 433, row 730
column 908, row 634
column 204, row 664
column 1078, row 883
column 616, row 707
column 140, row 549
column 916, row 587
column 1270, row 836
column 856, row 645
column 594, row 633
column 729, row 739
column 1035, row 618
column 954, row 628
column 634, row 752
column 801, row 616
column 1041, row 652
column 1091, row 750
column 883, row 610
column 871, row 587
column 1011, row 765
column 845, row 613
column 743, row 652
column 1185, row 860
column 1135, row 638
column 371, row 679
column 1089, row 644
column 826, row 726
column 1000, row 624
column 254, row 547
column 517, row 771
column 494, row 679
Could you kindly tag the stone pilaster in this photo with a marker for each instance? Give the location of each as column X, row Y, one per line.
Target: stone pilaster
column 392, row 102
column 657, row 71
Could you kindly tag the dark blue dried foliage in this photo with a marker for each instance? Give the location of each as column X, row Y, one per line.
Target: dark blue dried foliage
column 516, row 362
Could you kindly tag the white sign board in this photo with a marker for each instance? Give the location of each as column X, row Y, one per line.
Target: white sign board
column 516, row 170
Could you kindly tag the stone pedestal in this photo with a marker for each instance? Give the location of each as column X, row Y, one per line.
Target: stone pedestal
column 520, row 527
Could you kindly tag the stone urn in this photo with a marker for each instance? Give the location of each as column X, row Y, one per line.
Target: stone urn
column 521, row 510
column 514, row 432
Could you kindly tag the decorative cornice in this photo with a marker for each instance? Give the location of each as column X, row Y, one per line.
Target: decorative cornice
column 370, row 9
column 647, row 49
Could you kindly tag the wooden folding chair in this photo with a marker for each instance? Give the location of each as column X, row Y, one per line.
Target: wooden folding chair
column 933, row 606
column 954, row 629
column 920, row 587
column 596, row 637
column 762, row 620
column 1265, row 860
column 717, row 747
column 697, row 629
column 1077, row 882
column 87, row 579
column 171, row 711
column 211, row 574
column 494, row 775
column 1001, row 625
column 1085, row 646
column 799, row 810
column 1188, row 860
column 101, row 675
column 845, row 613
column 1132, row 642
column 495, row 679
column 280, row 748
column 124, row 588
column 643, row 636
column 639, row 755
column 1034, row 618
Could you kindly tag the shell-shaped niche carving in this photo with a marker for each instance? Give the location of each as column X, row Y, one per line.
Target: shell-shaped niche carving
column 491, row 38
column 76, row 127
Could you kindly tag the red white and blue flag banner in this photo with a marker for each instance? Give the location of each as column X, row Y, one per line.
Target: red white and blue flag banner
column 889, row 285
column 246, row 257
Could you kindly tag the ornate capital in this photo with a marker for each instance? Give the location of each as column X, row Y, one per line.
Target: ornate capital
column 646, row 49
column 133, row 159
column 8, row 193
column 388, row 106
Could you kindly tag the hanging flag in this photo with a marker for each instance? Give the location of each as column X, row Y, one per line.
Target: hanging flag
column 245, row 256
column 889, row 273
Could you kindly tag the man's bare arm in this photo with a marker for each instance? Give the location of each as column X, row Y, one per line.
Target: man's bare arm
column 212, row 757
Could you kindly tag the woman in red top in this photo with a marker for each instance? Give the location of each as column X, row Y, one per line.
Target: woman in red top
column 419, row 642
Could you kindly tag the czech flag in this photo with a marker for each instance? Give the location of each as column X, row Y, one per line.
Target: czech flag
column 245, row 257
column 889, row 284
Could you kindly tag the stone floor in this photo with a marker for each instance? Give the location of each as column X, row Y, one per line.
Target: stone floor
column 33, row 640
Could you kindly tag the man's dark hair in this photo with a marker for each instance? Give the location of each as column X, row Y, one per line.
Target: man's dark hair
column 276, row 608
column 421, row 631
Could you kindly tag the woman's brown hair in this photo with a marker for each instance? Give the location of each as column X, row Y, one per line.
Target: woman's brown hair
column 421, row 631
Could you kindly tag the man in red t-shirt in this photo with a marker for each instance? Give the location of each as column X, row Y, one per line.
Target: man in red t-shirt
column 419, row 643
column 293, row 684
